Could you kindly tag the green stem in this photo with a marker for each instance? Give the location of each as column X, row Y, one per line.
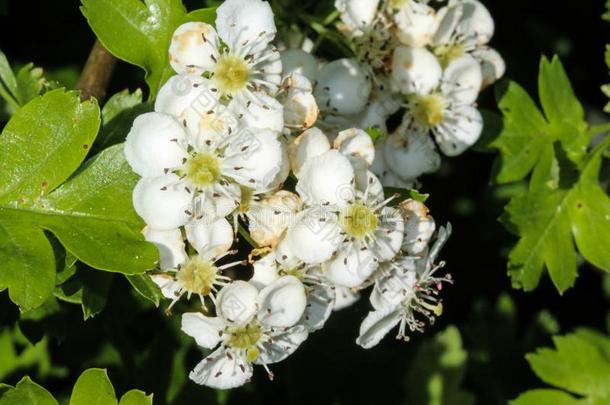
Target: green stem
column 8, row 98
column 598, row 129
column 244, row 233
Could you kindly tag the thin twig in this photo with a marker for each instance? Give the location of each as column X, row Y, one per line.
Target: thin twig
column 96, row 74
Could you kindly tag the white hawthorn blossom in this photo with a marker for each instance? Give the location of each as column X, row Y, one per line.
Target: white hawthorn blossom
column 440, row 102
column 466, row 27
column 186, row 177
column 236, row 55
column 250, row 327
column 347, row 227
column 405, row 290
column 320, row 292
column 198, row 274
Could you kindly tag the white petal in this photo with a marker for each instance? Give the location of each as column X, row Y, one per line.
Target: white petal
column 374, row 115
column 309, row 144
column 258, row 153
column 320, row 302
column 476, row 20
column 343, row 87
column 415, row 70
column 315, row 235
column 260, row 111
column 462, row 80
column 269, row 218
column 300, row 107
column 282, row 303
column 441, row 238
column 220, row 371
column 416, row 24
column 419, row 226
column 493, row 66
column 376, row 325
column 210, row 238
column 265, row 271
column 239, row 21
column 162, row 202
column 209, row 122
column 351, row 267
column 357, row 14
column 388, row 239
column 183, row 92
column 460, row 130
column 170, row 288
column 220, row 200
column 299, row 62
column 283, row 343
column 355, row 143
column 412, row 156
column 189, row 52
column 344, row 297
column 327, row 178
column 237, row 303
column 449, row 17
column 170, row 245
column 206, row 330
column 154, row 143
column 394, row 286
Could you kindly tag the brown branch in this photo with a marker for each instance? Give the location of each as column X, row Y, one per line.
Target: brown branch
column 96, row 74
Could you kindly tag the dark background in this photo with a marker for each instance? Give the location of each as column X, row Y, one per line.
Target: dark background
column 329, row 368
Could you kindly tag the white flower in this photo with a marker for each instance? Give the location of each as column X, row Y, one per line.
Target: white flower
column 197, row 274
column 466, row 27
column 348, row 222
column 357, row 15
column 236, row 56
column 320, row 293
column 419, row 227
column 251, row 327
column 269, row 217
column 405, row 289
column 299, row 104
column 187, row 177
column 343, row 87
column 408, row 155
column 442, row 105
column 415, row 20
column 300, row 62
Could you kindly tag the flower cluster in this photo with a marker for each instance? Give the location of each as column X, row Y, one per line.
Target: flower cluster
column 424, row 65
column 235, row 146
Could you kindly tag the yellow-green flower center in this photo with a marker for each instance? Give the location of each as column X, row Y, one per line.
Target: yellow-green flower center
column 397, row 4
column 429, row 110
column 197, row 275
column 447, row 53
column 358, row 220
column 203, row 169
column 246, row 337
column 231, row 74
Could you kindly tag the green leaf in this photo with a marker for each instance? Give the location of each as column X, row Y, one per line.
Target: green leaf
column 551, row 217
column 144, row 285
column 27, row 392
column 136, row 397
column 546, row 397
column 91, row 214
column 579, row 364
column 139, row 32
column 558, row 100
column 437, row 372
column 44, row 143
column 526, row 131
column 93, row 388
column 564, row 207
